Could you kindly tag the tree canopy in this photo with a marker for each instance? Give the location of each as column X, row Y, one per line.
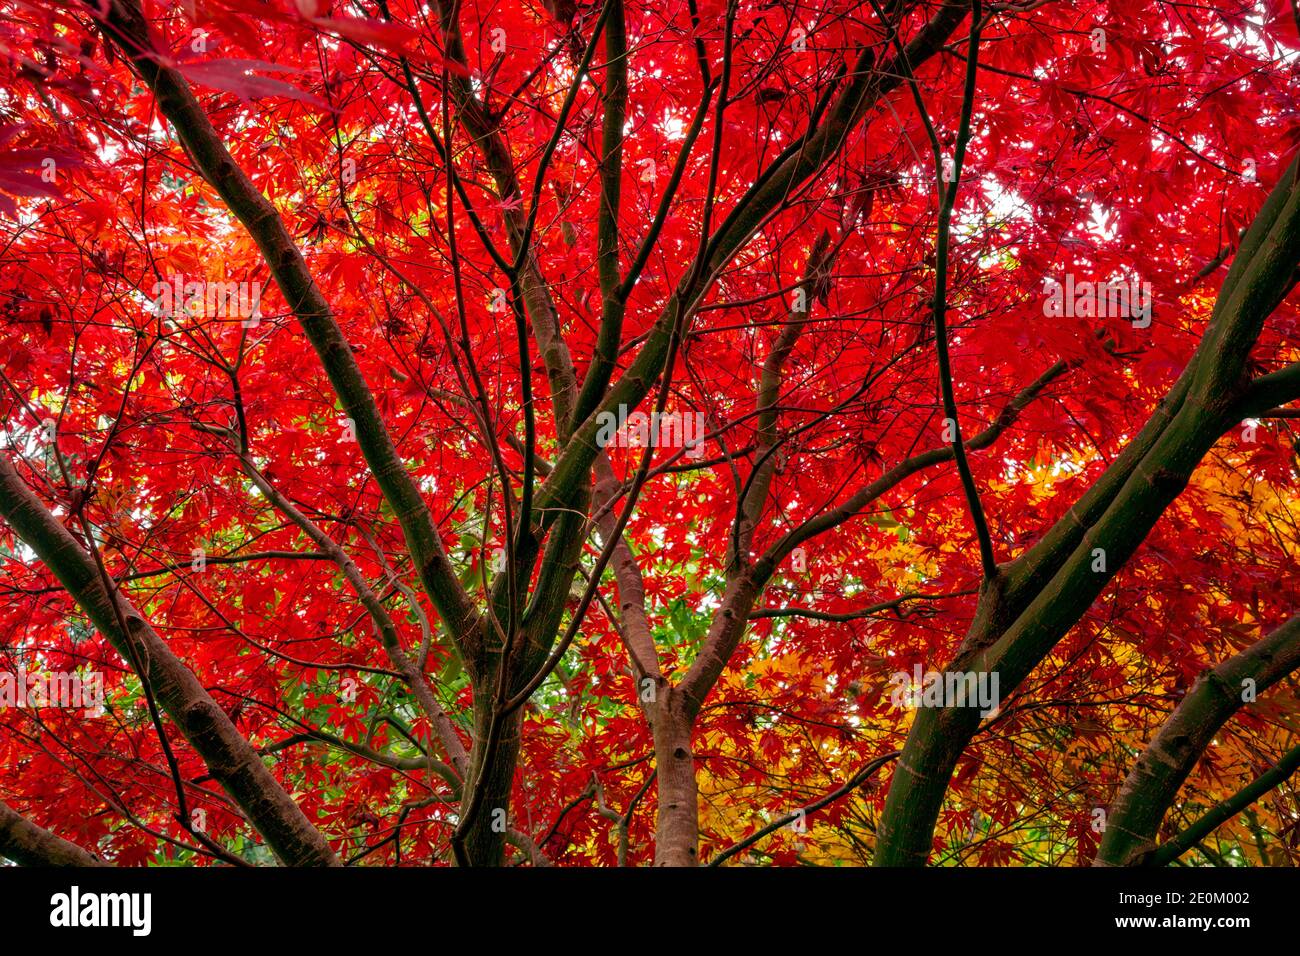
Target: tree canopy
column 628, row 433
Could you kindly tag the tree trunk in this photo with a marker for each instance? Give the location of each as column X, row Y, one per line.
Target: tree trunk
column 485, row 840
column 677, row 833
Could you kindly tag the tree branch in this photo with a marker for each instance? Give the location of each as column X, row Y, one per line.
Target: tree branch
column 30, row 845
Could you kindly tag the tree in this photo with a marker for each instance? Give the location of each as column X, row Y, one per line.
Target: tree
column 451, row 431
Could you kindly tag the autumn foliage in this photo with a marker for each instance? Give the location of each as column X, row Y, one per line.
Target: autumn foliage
column 310, row 317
